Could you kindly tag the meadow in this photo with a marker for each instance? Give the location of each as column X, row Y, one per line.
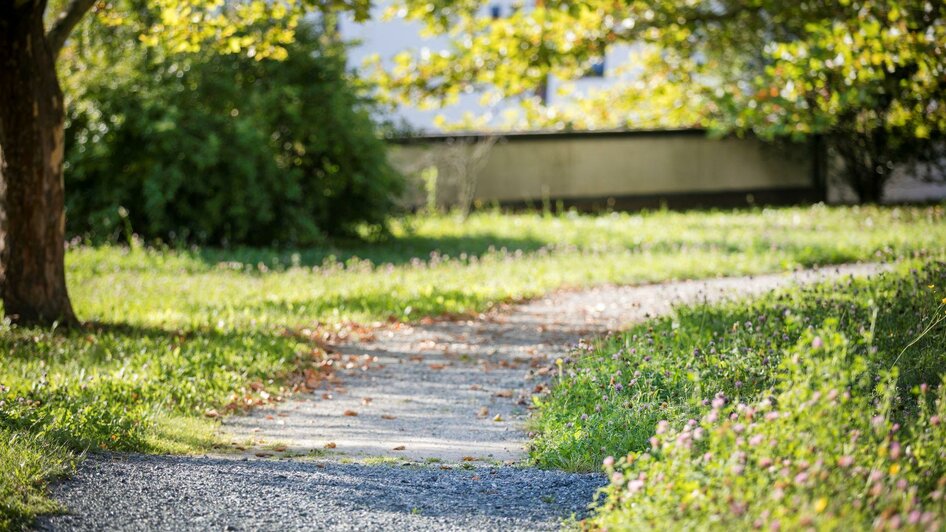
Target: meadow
column 176, row 337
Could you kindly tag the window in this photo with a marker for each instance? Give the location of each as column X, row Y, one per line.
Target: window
column 596, row 70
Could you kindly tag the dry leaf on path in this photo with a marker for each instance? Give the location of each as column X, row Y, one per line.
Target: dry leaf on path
column 350, row 413
column 330, row 445
column 399, row 448
column 387, row 416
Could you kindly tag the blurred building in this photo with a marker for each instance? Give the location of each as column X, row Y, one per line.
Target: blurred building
column 595, row 169
column 386, row 38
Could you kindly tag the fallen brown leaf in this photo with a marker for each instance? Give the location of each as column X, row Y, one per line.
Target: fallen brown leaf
column 387, row 416
column 505, row 394
column 437, row 366
column 279, row 448
column 468, row 459
column 350, row 413
column 399, row 448
column 330, row 445
column 210, row 412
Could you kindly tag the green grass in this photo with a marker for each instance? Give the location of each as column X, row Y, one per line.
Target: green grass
column 173, row 334
column 443, row 265
column 643, row 393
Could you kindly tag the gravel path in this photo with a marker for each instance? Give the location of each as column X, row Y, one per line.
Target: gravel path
column 436, row 389
column 181, row 493
column 425, row 438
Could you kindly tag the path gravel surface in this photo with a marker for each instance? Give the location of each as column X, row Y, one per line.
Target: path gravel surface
column 182, row 493
column 429, row 436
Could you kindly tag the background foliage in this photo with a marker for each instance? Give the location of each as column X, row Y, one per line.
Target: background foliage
column 221, row 148
column 866, row 75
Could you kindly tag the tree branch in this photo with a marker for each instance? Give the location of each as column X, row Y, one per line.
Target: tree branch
column 66, row 22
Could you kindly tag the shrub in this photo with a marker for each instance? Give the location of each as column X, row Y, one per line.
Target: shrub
column 222, row 149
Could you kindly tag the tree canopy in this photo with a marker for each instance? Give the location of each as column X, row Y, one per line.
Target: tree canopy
column 868, row 75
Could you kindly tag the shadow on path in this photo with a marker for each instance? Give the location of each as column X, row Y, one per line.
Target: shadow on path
column 187, row 493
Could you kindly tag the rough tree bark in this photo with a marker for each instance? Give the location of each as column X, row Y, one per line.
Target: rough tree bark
column 32, row 278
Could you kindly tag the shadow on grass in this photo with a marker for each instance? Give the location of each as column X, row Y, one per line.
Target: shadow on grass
column 396, row 251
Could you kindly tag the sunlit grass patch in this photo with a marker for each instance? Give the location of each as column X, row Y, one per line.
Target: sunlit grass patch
column 183, row 435
column 27, row 463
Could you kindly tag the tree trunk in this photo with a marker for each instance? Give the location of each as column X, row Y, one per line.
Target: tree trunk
column 872, row 188
column 32, row 278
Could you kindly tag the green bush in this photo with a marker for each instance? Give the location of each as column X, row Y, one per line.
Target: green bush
column 222, row 149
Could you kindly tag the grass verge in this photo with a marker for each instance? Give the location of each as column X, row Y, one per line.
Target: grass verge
column 808, row 407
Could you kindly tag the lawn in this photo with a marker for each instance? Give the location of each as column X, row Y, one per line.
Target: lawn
column 176, row 337
column 809, row 406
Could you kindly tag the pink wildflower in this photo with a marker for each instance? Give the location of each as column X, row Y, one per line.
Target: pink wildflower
column 895, row 450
